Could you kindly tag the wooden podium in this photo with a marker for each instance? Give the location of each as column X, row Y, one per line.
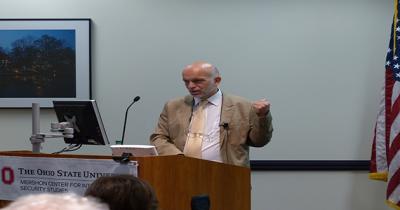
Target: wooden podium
column 176, row 179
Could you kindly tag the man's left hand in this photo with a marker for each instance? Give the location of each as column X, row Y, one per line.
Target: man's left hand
column 261, row 107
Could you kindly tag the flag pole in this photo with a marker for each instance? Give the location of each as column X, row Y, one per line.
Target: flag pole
column 395, row 18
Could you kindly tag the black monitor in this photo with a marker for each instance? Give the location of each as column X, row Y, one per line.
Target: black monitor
column 85, row 119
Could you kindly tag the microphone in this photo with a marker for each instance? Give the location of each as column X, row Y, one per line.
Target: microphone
column 225, row 125
column 137, row 98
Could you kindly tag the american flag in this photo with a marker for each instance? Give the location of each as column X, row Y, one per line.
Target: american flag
column 385, row 159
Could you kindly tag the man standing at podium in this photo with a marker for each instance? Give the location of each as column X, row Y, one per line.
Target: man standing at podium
column 209, row 124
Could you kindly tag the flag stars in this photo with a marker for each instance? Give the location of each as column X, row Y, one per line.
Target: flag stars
column 398, row 75
column 396, row 66
column 389, row 50
column 395, row 57
column 398, row 29
column 387, row 63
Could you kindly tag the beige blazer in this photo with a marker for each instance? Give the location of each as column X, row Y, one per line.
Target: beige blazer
column 243, row 128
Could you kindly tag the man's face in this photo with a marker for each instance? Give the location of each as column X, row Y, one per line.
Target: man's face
column 200, row 83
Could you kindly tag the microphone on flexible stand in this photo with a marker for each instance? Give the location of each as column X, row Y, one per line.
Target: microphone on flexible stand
column 137, row 98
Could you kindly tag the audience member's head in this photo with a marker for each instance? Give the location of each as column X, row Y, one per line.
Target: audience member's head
column 123, row 192
column 56, row 201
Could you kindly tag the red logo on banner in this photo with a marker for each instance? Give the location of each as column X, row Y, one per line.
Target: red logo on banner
column 7, row 175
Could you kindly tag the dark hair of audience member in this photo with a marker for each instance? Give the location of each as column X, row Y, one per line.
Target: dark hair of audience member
column 123, row 192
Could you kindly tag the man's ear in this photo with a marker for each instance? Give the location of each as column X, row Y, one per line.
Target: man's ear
column 217, row 80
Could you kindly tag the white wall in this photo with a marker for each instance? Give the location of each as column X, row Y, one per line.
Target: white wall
column 316, row 190
column 319, row 62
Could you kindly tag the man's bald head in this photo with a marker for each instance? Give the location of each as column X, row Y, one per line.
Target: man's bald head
column 203, row 66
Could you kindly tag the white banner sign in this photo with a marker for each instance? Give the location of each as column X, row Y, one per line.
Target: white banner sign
column 27, row 175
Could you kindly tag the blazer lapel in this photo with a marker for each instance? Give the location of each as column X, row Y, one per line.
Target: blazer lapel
column 185, row 113
column 226, row 116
